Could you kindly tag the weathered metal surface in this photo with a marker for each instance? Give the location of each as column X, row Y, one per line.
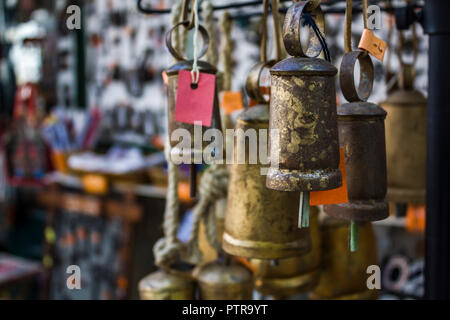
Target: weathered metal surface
column 406, row 146
column 219, row 281
column 303, row 111
column 260, row 223
column 291, row 276
column 164, row 285
column 343, row 273
column 362, row 136
column 173, row 125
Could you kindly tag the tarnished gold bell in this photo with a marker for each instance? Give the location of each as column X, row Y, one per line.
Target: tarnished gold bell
column 260, row 223
column 291, row 276
column 166, row 285
column 406, row 142
column 304, row 146
column 344, row 273
column 222, row 281
column 362, row 137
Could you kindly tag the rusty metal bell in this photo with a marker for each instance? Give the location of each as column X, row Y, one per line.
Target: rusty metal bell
column 362, row 137
column 260, row 223
column 195, row 152
column 167, row 285
column 221, row 281
column 303, row 111
column 406, row 142
column 287, row 277
column 344, row 273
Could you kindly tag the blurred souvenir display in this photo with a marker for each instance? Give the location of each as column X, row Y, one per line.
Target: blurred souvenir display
column 218, row 150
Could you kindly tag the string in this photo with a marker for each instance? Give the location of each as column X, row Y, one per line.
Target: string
column 348, row 26
column 309, row 21
column 195, row 70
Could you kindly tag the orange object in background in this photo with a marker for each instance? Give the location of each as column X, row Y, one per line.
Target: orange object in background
column 184, row 192
column 232, row 101
column 60, row 161
column 95, row 184
column 415, row 218
column 335, row 196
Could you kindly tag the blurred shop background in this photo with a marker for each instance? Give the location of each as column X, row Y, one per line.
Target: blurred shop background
column 83, row 175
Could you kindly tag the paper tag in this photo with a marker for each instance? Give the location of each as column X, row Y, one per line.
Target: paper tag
column 232, row 101
column 335, row 196
column 195, row 104
column 370, row 43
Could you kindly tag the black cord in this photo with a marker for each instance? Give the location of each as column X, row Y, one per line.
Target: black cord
column 309, row 21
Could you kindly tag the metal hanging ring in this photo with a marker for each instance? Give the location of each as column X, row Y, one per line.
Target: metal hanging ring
column 175, row 53
column 252, row 85
column 292, row 27
column 347, row 76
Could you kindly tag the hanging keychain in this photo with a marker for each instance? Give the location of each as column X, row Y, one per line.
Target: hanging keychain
column 362, row 137
column 193, row 100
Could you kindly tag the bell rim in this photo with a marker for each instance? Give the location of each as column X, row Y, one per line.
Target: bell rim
column 360, row 211
column 264, row 250
column 296, row 180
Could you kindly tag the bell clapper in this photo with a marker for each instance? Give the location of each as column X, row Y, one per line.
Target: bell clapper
column 353, row 236
column 303, row 218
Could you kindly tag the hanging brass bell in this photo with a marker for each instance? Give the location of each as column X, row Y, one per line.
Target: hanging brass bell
column 362, row 137
column 304, row 147
column 167, row 285
column 344, row 273
column 195, row 153
column 225, row 281
column 260, row 223
column 287, row 277
column 406, row 141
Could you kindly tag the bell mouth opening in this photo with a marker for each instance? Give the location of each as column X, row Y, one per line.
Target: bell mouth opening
column 264, row 250
column 296, row 180
column 362, row 211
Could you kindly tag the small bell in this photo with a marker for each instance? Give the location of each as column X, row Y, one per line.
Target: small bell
column 195, row 152
column 167, row 285
column 287, row 277
column 303, row 112
column 343, row 273
column 362, row 137
column 221, row 281
column 406, row 142
column 260, row 223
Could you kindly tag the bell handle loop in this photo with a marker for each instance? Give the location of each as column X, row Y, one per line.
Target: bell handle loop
column 252, row 85
column 175, row 53
column 407, row 70
column 292, row 27
column 347, row 76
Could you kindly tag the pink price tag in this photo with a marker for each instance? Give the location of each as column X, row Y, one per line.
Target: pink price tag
column 195, row 104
